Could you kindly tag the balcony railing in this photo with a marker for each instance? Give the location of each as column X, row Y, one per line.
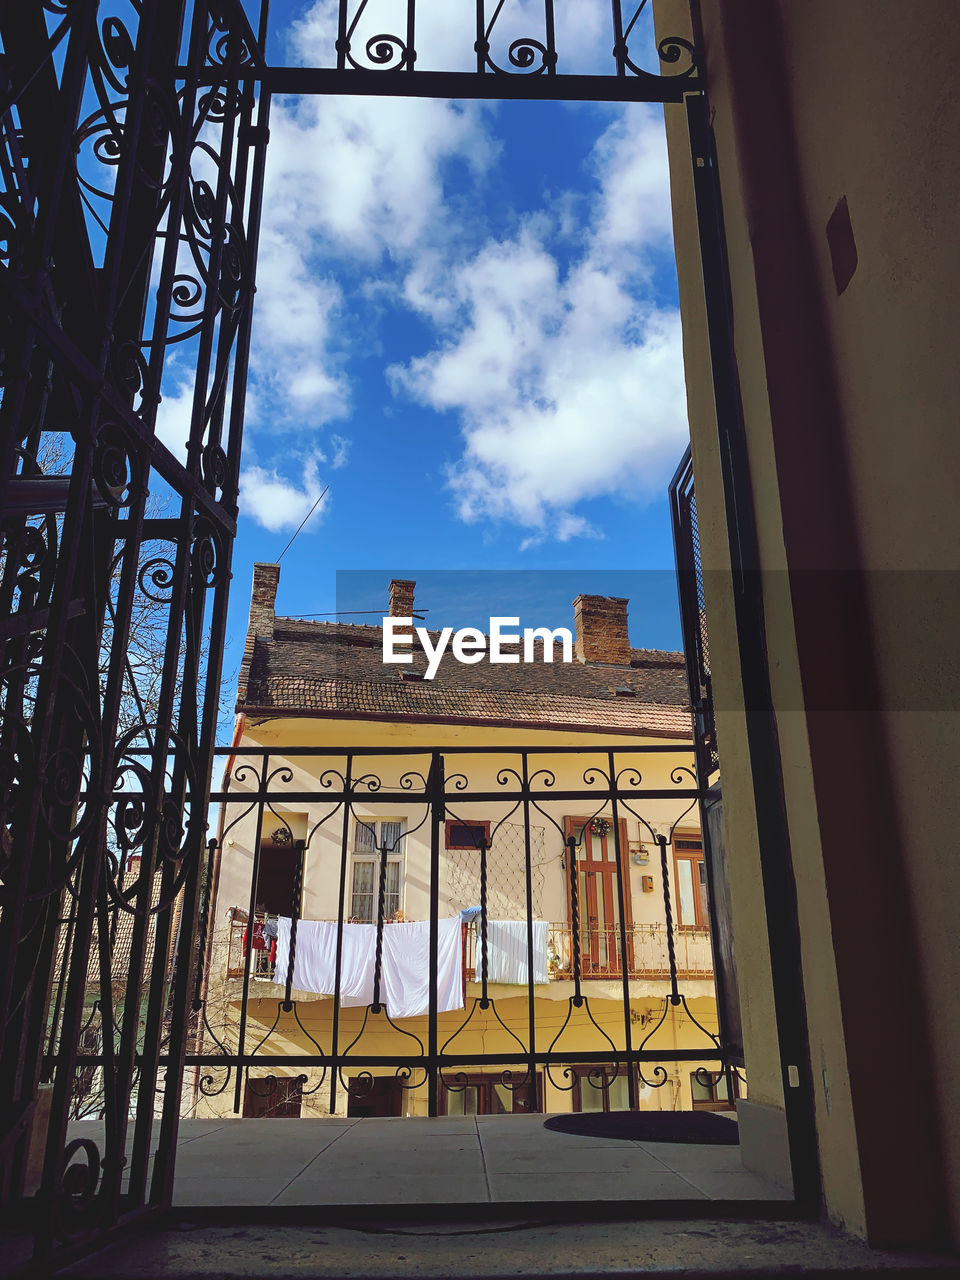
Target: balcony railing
column 600, row 950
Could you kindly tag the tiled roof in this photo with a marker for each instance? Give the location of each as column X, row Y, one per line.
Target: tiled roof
column 335, row 668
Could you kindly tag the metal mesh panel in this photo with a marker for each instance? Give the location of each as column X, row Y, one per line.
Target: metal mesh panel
column 506, row 875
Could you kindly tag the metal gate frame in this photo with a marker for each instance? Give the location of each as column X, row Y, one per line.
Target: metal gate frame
column 95, row 832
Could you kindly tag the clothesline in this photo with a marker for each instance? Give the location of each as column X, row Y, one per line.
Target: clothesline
column 405, row 965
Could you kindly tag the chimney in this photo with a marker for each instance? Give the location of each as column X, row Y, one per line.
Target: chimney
column 263, row 599
column 601, row 623
column 401, row 598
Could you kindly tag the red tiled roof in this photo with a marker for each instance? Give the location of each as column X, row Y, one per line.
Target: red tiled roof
column 323, row 668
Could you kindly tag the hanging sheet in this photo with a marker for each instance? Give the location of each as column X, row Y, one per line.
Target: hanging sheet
column 405, row 975
column 508, row 951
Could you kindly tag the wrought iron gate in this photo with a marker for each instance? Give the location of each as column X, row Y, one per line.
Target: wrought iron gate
column 131, row 159
column 132, row 155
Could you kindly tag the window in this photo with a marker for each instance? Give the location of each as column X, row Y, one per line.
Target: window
column 283, row 833
column 488, row 1095
column 467, row 835
column 376, row 1096
column 278, row 1097
column 709, row 1091
column 600, row 1092
column 691, row 877
column 370, row 835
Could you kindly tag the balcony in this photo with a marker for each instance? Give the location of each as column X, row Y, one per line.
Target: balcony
column 647, row 947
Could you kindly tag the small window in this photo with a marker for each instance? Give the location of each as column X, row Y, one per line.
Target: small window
column 482, row 1094
column 598, row 1089
column 709, row 1091
column 370, row 836
column 691, row 880
column 467, row 835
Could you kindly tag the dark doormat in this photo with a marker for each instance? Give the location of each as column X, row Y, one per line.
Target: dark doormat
column 650, row 1126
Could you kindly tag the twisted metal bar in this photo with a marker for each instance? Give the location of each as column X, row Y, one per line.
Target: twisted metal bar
column 575, row 918
column 484, row 962
column 668, row 909
column 381, row 904
column 294, row 922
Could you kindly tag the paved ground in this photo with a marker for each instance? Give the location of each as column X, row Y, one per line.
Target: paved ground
column 386, row 1250
column 487, row 1160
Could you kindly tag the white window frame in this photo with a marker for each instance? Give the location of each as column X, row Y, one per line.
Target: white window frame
column 361, row 854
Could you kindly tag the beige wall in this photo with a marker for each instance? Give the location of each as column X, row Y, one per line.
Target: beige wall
column 323, row 822
column 849, row 405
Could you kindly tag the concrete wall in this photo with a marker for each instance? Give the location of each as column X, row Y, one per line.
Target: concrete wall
column 836, row 137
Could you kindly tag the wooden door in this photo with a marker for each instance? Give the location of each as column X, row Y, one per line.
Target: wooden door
column 598, row 900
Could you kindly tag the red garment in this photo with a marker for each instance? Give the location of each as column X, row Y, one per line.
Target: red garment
column 273, row 951
column 259, row 943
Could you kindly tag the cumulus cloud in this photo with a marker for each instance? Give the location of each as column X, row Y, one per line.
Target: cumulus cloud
column 365, row 175
column 568, row 386
column 278, row 503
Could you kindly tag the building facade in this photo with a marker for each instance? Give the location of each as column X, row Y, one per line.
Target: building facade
column 310, row 693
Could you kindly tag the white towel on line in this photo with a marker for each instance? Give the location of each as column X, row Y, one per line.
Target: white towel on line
column 508, row 951
column 405, row 974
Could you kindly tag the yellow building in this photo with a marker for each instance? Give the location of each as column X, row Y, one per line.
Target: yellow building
column 336, row 758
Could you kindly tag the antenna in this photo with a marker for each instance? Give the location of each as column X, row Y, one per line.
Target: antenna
column 302, row 523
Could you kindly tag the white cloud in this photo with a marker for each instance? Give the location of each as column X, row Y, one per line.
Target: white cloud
column 366, row 174
column 174, row 413
column 278, row 503
column 568, row 386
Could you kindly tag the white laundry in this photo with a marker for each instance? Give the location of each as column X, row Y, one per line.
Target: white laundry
column 405, row 972
column 508, row 951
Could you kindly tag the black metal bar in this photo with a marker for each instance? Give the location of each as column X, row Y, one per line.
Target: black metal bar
column 574, row 916
column 528, row 886
column 295, row 920
column 469, row 85
column 248, row 949
column 381, row 900
column 626, row 939
column 237, row 797
column 341, row 906
column 662, row 845
column 435, row 786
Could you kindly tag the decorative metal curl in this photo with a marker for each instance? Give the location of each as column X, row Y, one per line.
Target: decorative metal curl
column 523, row 54
column 206, row 555
column 404, row 1070
column 129, row 366
column 116, row 45
column 388, row 53
column 155, row 579
column 77, row 1185
column 215, row 467
column 115, row 469
column 673, row 49
column 578, row 1002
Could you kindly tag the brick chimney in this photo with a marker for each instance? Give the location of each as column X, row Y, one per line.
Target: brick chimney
column 401, row 598
column 601, row 623
column 263, row 599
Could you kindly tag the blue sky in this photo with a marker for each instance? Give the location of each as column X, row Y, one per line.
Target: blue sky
column 466, row 325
